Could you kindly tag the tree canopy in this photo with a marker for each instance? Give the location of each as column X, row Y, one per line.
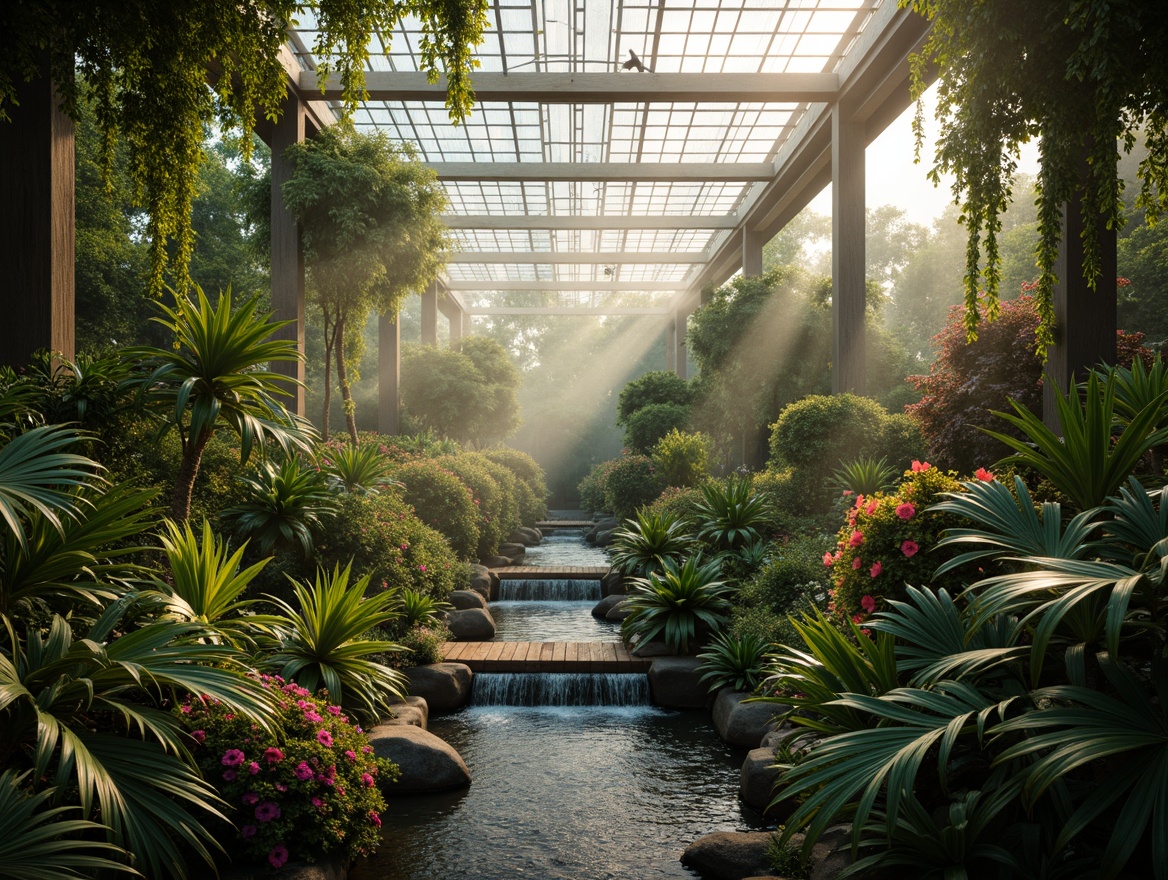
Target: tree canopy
column 1080, row 75
column 161, row 71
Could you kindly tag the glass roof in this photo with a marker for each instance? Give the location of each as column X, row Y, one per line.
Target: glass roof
column 597, row 36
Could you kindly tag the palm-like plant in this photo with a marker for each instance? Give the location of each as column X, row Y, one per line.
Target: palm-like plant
column 359, row 469
column 322, row 645
column 734, row 661
column 63, row 700
column 216, row 374
column 645, row 543
column 676, row 601
column 730, row 514
column 287, row 503
column 865, row 476
column 418, row 609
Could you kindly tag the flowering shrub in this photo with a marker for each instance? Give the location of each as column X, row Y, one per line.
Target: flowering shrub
column 442, row 501
column 487, row 496
column 533, row 502
column 591, row 488
column 881, row 545
column 314, row 791
column 676, row 501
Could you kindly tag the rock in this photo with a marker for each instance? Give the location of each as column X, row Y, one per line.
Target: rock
column 654, row 648
column 832, row 853
column 729, row 855
column 607, row 522
column 514, row 552
column 329, row 869
column 613, row 583
column 756, row 785
column 604, row 538
column 414, row 711
column 480, row 581
column 427, row 763
column 605, row 605
column 496, row 561
column 526, row 535
column 674, row 683
column 463, row 599
column 444, row 686
column 471, row 625
column 740, row 723
column 619, row 611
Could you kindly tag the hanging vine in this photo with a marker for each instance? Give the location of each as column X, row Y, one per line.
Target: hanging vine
column 161, row 72
column 1085, row 77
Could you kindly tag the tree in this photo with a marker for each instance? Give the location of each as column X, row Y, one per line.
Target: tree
column 370, row 221
column 1081, row 76
column 655, row 387
column 501, row 380
column 150, row 65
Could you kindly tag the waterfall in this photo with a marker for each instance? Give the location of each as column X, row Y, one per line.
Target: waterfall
column 560, row 689
column 543, row 590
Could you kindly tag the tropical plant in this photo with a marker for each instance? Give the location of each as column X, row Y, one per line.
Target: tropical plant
column 648, row 540
column 865, row 475
column 730, row 514
column 288, row 502
column 323, row 644
column 37, row 843
column 357, row 468
column 683, row 459
column 419, row 609
column 678, row 603
column 734, row 661
column 216, row 374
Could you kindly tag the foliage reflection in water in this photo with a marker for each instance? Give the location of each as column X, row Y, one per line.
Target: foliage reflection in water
column 575, row 793
column 551, row 622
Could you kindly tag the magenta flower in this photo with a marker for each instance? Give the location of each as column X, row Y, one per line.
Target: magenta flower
column 324, row 738
column 856, row 539
column 232, row 758
column 253, row 768
column 250, row 798
column 247, row 831
column 367, row 779
column 303, row 771
column 313, row 717
column 856, row 563
column 868, row 604
column 876, row 569
column 906, row 510
column 317, row 802
column 281, row 787
column 278, row 856
column 374, row 818
column 229, row 775
column 828, row 559
column 273, row 755
column 910, row 548
column 267, row 811
column 421, row 568
column 367, row 749
column 350, row 754
column 333, row 710
column 199, row 736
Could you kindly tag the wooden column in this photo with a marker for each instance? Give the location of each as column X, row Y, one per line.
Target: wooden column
column 287, row 254
column 430, row 316
column 388, row 374
column 847, row 254
column 671, row 344
column 36, row 224
column 751, row 253
column 1086, row 319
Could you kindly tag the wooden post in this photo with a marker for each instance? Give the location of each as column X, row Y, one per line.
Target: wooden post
column 36, row 224
column 287, row 253
column 847, row 254
column 388, row 374
column 430, row 315
column 751, row 253
column 1085, row 319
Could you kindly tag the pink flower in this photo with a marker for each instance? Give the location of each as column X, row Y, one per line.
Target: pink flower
column 859, row 502
column 199, row 736
column 334, row 710
column 374, row 818
column 868, row 604
column 856, row 563
column 250, row 798
column 909, row 548
column 229, row 775
column 350, row 754
column 847, row 492
column 856, row 540
column 367, row 749
column 405, row 546
column 273, row 755
column 421, row 568
column 312, row 716
column 324, row 738
column 303, row 771
column 906, row 510
column 983, row 475
column 278, row 856
column 876, row 568
column 247, row 831
column 367, row 779
column 232, row 758
column 280, row 786
column 253, row 768
column 856, row 618
column 828, row 559
column 871, row 508
column 267, row 811
column 920, row 466
column 317, row 802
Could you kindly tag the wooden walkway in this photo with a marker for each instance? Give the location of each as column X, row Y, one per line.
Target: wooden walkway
column 565, row 524
column 560, row 573
column 544, row 657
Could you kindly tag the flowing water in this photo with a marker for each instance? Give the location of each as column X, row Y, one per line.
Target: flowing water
column 576, row 776
column 565, row 547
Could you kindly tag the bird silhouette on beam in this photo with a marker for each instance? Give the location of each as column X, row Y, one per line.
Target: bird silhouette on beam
column 635, row 63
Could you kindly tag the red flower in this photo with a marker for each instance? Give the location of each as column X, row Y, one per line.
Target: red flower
column 919, row 466
column 909, row 548
column 868, row 603
column 876, row 569
column 906, row 510
column 983, row 475
column 828, row 559
column 856, row 540
column 856, row 563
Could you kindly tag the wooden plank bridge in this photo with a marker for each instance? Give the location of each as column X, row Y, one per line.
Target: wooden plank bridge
column 544, row 657
column 552, row 524
column 556, row 573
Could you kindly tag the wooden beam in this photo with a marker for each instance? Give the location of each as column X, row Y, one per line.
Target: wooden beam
column 570, row 310
column 574, row 258
column 567, row 286
column 847, row 255
column 595, row 88
column 641, row 172
column 543, row 221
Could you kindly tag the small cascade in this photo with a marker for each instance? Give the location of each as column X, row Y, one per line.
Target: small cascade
column 545, row 590
column 560, row 689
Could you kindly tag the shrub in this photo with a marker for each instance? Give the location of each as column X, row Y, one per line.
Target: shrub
column 656, row 387
column 533, row 504
column 591, row 488
column 644, row 545
column 786, row 494
column 508, row 483
column 733, row 661
column 312, row 792
column 676, row 502
column 882, row 545
column 645, row 428
column 385, row 540
column 486, row 496
column 423, row 645
column 823, row 431
column 794, row 574
column 442, row 501
column 680, row 603
column 683, row 459
column 630, row 483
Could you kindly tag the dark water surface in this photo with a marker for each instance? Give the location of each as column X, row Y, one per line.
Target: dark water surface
column 571, row 793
